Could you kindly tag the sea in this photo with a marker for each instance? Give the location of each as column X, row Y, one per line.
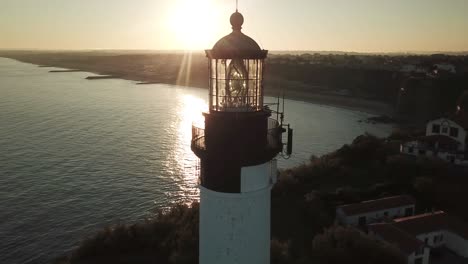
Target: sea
column 78, row 155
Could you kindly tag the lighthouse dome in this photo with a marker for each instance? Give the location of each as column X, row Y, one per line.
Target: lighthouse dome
column 236, row 41
column 237, row 44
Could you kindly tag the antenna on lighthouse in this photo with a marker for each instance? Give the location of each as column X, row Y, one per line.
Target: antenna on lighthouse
column 237, row 5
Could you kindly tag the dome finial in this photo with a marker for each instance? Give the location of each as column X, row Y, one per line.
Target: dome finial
column 236, row 21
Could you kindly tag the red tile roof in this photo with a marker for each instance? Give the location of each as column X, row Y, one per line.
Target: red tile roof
column 423, row 223
column 377, row 205
column 393, row 235
column 430, row 222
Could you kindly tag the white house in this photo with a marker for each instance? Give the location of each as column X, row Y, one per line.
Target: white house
column 416, row 235
column 437, row 230
column 392, row 219
column 445, row 139
column 410, row 68
column 361, row 214
column 446, row 67
column 413, row 249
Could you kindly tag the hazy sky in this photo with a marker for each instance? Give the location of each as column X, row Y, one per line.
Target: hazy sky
column 346, row 25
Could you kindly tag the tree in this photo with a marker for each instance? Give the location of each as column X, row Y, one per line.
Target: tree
column 280, row 252
column 338, row 245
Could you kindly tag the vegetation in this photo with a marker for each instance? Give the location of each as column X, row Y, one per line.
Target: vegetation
column 338, row 245
column 303, row 210
column 170, row 237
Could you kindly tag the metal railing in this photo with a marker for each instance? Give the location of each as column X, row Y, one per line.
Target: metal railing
column 274, row 136
column 272, row 123
column 197, row 171
column 198, row 137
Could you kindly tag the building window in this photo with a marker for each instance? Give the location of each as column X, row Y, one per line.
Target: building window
column 418, row 261
column 453, row 132
column 422, row 152
column 435, row 240
column 410, row 150
column 435, row 128
column 362, row 221
column 409, row 211
column 444, row 130
column 385, row 214
column 438, row 239
column 426, row 240
column 419, row 251
column 451, row 158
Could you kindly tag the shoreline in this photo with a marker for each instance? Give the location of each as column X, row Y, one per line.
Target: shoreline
column 350, row 103
column 354, row 104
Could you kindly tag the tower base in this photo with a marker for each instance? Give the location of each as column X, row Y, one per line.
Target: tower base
column 235, row 227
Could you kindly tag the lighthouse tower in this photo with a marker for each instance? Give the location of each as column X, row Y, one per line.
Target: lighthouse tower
column 237, row 150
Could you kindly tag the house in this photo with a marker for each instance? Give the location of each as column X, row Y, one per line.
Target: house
column 410, row 68
column 445, row 138
column 392, row 219
column 361, row 214
column 413, row 249
column 437, row 229
column 446, row 67
column 416, row 235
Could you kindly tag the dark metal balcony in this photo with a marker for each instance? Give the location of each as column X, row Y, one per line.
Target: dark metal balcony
column 198, row 138
column 274, row 136
column 273, row 141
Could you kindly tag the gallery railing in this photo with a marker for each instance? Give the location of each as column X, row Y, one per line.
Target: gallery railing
column 198, row 137
column 274, row 137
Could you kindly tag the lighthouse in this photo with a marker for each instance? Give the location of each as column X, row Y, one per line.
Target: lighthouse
column 237, row 148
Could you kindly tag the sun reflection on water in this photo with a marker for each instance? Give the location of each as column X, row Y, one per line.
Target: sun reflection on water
column 189, row 113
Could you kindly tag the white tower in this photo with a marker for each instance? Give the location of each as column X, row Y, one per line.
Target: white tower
column 236, row 148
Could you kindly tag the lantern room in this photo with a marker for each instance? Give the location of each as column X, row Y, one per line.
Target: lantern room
column 236, row 72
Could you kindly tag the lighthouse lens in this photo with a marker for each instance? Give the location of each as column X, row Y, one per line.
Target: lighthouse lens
column 236, row 85
column 237, row 81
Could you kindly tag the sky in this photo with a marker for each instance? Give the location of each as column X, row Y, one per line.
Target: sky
column 319, row 25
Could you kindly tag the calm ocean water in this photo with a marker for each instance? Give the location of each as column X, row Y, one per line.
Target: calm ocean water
column 77, row 155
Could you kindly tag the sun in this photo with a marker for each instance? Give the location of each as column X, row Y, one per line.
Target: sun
column 194, row 23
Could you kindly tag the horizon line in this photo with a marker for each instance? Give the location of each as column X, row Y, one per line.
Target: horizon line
column 285, row 50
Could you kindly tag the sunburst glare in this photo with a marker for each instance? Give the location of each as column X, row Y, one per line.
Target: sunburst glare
column 190, row 113
column 193, row 23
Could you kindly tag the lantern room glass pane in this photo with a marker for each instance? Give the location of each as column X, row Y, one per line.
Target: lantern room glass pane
column 253, row 64
column 236, row 85
column 222, row 69
column 213, row 66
